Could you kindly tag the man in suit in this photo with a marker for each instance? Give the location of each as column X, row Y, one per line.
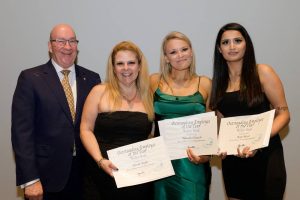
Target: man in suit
column 45, row 129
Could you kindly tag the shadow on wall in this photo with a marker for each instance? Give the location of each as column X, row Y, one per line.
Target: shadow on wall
column 284, row 132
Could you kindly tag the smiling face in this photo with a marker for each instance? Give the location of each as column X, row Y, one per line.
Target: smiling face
column 178, row 54
column 232, row 46
column 126, row 67
column 63, row 55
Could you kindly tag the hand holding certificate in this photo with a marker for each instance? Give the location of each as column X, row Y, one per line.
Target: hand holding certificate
column 251, row 130
column 141, row 162
column 198, row 132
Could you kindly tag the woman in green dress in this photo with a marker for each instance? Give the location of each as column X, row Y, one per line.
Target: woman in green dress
column 179, row 91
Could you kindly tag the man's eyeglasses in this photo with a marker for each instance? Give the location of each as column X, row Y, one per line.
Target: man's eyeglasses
column 63, row 42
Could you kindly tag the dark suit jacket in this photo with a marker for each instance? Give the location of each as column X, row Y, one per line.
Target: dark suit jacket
column 43, row 133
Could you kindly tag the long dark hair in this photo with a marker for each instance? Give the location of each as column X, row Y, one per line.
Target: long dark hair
column 250, row 87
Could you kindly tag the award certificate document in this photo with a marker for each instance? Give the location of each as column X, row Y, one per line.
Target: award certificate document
column 249, row 130
column 141, row 162
column 198, row 132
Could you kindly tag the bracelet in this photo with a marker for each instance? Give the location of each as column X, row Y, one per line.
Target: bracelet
column 99, row 162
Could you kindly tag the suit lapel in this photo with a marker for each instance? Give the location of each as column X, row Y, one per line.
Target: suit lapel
column 55, row 86
column 81, row 90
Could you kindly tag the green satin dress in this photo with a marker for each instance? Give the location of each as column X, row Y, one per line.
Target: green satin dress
column 191, row 181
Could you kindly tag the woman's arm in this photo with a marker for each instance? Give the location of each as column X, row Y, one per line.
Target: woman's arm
column 205, row 84
column 274, row 91
column 154, row 82
column 89, row 115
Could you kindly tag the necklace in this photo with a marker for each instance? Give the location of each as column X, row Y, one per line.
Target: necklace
column 129, row 101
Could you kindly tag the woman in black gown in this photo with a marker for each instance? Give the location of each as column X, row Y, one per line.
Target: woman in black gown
column 242, row 87
column 116, row 113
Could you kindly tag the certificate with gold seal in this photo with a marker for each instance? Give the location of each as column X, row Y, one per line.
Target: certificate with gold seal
column 141, row 162
column 198, row 132
column 250, row 130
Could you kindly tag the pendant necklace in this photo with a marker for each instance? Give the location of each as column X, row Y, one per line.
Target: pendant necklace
column 129, row 101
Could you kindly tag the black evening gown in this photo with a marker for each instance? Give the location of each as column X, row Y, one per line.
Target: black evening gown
column 113, row 130
column 261, row 177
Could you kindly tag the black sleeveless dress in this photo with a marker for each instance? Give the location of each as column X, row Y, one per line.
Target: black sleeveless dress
column 262, row 176
column 113, row 130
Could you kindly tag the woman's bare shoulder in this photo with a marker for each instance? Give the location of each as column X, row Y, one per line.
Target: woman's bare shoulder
column 98, row 90
column 266, row 73
column 154, row 77
column 205, row 82
column 154, row 81
column 205, row 79
column 264, row 69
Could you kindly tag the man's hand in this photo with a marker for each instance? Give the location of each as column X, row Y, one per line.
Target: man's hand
column 34, row 191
